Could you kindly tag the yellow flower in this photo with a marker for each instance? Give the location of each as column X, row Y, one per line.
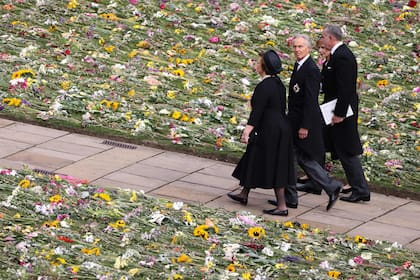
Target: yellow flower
column 201, row 231
column 55, row 198
column 176, row 115
column 270, row 43
column 104, row 196
column 53, row 224
column 171, row 94
column 133, row 271
column 185, row 118
column 109, row 48
column 65, row 85
column 131, row 92
column 115, row 105
column 133, row 197
column 285, row 236
column 288, row 224
column 75, row 269
column 187, row 217
column 184, row 258
column 94, row 251
column 300, row 235
column 72, row 4
column 246, row 276
column 25, row 183
column 359, row 239
column 143, row 44
column 101, row 41
column 304, row 226
column 231, row 267
column 256, row 232
column 133, row 53
column 334, row 274
column 17, row 216
column 178, row 72
column 109, row 16
column 382, row 83
column 281, row 266
column 233, row 120
column 177, row 277
column 22, row 72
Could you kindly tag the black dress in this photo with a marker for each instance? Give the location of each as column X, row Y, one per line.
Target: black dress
column 268, row 161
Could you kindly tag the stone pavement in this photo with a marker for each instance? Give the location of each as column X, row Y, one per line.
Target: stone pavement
column 192, row 179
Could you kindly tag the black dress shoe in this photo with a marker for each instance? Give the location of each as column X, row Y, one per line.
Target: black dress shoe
column 241, row 200
column 333, row 198
column 302, row 181
column 347, row 190
column 288, row 204
column 355, row 198
column 276, row 212
column 308, row 189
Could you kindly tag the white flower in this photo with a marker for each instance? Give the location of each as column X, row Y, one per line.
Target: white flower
column 230, row 250
column 325, row 265
column 157, row 217
column 351, row 263
column 178, row 205
column 285, row 246
column 366, row 256
column 267, row 251
column 245, row 81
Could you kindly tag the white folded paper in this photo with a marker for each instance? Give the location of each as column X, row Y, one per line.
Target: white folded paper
column 327, row 110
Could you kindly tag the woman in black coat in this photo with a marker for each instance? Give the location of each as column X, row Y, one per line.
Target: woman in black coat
column 268, row 160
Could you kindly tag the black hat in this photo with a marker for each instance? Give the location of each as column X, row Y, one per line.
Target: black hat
column 272, row 62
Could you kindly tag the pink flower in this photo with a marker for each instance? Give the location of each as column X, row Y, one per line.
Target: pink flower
column 134, row 2
column 214, row 39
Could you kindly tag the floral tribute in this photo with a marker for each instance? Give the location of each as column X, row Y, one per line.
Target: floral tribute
column 181, row 73
column 58, row 227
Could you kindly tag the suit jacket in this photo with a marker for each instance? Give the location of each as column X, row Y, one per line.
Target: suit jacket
column 304, row 111
column 340, row 82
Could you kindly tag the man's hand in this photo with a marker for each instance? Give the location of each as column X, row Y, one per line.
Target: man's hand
column 303, row 133
column 336, row 119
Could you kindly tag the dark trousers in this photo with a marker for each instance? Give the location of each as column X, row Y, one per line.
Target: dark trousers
column 317, row 174
column 354, row 173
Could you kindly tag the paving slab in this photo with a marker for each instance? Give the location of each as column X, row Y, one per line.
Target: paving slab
column 407, row 215
column 319, row 217
column 179, row 162
column 167, row 175
column 22, row 136
column 189, row 191
column 5, row 163
column 9, row 147
column 102, row 164
column 365, row 211
column 381, row 231
column 85, row 140
column 43, row 159
column 144, row 183
column 221, row 170
column 107, row 183
column 211, row 181
column 38, row 130
column 70, row 148
column 415, row 245
column 5, row 122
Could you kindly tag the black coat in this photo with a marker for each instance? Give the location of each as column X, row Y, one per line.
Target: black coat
column 268, row 161
column 304, row 111
column 340, row 81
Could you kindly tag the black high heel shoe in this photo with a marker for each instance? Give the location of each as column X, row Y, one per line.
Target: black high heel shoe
column 241, row 200
column 276, row 212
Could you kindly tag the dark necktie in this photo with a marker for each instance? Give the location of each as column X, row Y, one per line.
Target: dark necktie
column 296, row 66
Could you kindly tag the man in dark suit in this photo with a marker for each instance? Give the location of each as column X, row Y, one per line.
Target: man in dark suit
column 340, row 82
column 305, row 118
